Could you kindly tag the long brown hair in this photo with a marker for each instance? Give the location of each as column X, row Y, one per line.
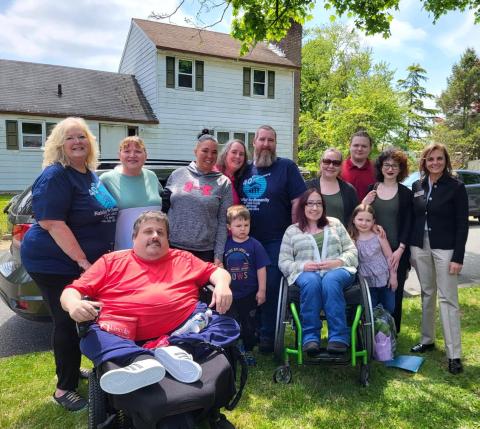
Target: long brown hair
column 352, row 229
column 300, row 212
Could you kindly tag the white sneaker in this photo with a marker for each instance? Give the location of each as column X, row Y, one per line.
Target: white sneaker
column 132, row 377
column 179, row 364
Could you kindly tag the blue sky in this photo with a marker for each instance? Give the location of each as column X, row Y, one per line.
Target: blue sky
column 91, row 34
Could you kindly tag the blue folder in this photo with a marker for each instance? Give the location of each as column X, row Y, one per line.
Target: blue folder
column 406, row 362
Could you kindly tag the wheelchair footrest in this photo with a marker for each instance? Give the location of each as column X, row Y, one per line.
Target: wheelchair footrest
column 323, row 357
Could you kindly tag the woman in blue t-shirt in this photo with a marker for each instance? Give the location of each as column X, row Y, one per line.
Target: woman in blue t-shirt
column 76, row 218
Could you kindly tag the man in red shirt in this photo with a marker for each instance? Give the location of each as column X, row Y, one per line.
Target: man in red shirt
column 142, row 294
column 358, row 169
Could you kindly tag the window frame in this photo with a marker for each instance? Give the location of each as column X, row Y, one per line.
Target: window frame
column 177, row 74
column 265, row 83
column 21, row 134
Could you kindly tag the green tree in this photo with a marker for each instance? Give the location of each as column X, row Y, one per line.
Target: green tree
column 332, row 63
column 257, row 20
column 460, row 102
column 343, row 90
column 419, row 119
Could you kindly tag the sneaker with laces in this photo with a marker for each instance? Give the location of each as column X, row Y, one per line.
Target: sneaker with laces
column 71, row 401
column 132, row 377
column 179, row 364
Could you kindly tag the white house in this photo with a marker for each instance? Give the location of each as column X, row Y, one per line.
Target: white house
column 34, row 97
column 195, row 79
column 173, row 82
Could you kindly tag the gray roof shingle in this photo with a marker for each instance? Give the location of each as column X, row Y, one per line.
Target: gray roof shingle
column 192, row 40
column 31, row 88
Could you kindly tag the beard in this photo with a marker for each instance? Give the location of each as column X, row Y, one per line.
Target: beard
column 264, row 158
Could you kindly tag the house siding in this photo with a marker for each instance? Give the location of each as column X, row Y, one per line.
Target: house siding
column 19, row 168
column 140, row 59
column 183, row 113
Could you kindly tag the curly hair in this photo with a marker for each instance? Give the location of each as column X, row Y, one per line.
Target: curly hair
column 54, row 146
column 396, row 155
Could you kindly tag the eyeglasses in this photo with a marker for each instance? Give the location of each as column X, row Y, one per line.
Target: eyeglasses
column 392, row 166
column 334, row 162
column 314, row 204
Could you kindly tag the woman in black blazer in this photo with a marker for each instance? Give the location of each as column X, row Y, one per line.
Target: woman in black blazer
column 392, row 202
column 340, row 197
column 439, row 235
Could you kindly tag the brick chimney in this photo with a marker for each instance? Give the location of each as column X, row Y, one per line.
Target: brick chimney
column 291, row 45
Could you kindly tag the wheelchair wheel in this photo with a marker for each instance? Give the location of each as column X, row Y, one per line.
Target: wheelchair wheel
column 366, row 330
column 121, row 421
column 283, row 374
column 365, row 375
column 97, row 402
column 280, row 323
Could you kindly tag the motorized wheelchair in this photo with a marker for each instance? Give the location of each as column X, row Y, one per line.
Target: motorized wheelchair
column 359, row 317
column 170, row 404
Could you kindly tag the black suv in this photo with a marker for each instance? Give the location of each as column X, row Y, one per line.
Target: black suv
column 17, row 289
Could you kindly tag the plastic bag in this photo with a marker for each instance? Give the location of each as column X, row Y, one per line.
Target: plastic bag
column 385, row 334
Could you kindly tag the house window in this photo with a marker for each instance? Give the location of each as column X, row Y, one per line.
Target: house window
column 223, row 137
column 132, row 131
column 185, row 73
column 239, row 136
column 32, row 135
column 259, row 82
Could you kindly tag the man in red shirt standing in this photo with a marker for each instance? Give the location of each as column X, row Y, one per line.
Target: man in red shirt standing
column 142, row 295
column 358, row 169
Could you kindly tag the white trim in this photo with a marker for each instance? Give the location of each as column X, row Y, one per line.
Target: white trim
column 21, row 135
column 265, row 83
column 177, row 73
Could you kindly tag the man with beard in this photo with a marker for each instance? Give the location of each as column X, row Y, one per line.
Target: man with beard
column 270, row 190
column 142, row 295
column 358, row 169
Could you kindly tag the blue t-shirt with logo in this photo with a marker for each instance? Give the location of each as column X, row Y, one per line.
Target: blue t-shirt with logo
column 84, row 204
column 267, row 193
column 242, row 260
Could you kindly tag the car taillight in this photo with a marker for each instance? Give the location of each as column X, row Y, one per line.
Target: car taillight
column 19, row 231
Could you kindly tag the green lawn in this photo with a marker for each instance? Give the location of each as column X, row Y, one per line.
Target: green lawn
column 319, row 397
column 4, row 227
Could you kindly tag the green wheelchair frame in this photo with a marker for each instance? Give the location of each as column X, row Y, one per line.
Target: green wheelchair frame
column 358, row 300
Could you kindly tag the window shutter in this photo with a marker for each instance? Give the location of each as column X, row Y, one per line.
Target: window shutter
column 12, row 135
column 170, row 72
column 198, row 75
column 246, row 81
column 271, row 84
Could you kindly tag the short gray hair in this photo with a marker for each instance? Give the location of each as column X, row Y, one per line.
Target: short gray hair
column 150, row 215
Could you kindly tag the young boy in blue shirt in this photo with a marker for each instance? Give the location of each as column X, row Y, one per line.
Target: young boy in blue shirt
column 246, row 260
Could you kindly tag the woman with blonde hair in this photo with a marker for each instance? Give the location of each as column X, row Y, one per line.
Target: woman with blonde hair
column 340, row 196
column 437, row 243
column 75, row 225
column 135, row 189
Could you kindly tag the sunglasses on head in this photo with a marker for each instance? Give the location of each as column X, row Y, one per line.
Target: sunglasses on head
column 334, row 162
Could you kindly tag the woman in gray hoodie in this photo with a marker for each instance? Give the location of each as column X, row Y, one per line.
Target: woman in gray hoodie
column 199, row 197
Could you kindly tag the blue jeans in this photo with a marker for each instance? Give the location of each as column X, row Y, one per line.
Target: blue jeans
column 384, row 296
column 268, row 311
column 324, row 293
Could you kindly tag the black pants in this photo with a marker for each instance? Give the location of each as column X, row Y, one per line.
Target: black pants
column 403, row 268
column 65, row 341
column 243, row 311
column 204, row 255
